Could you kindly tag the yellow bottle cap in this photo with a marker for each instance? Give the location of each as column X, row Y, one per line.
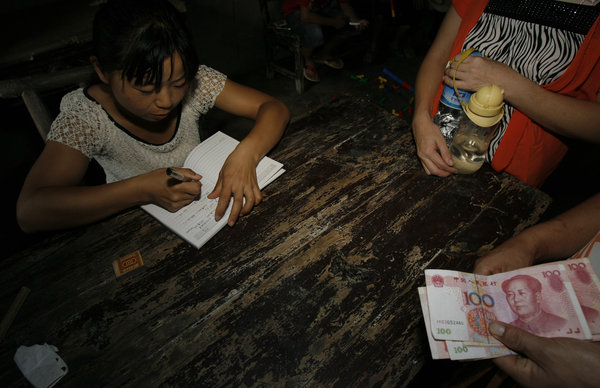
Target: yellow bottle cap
column 486, row 106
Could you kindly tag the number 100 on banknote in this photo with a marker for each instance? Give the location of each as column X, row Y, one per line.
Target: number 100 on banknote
column 459, row 310
column 538, row 299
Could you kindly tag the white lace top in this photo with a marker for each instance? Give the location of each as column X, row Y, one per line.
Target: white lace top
column 84, row 125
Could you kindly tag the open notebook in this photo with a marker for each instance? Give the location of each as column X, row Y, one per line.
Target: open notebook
column 196, row 223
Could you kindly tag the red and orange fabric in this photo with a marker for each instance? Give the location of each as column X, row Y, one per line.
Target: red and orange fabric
column 526, row 150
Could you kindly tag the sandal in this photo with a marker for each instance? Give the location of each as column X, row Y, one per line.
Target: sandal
column 334, row 63
column 310, row 73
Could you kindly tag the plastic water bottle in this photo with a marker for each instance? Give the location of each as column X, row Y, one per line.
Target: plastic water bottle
column 477, row 125
column 450, row 110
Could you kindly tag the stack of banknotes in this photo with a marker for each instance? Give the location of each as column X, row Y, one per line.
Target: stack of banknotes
column 559, row 299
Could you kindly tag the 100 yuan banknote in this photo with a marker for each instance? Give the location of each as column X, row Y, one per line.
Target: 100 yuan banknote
column 464, row 351
column 537, row 299
column 438, row 348
column 456, row 350
column 587, row 289
column 591, row 251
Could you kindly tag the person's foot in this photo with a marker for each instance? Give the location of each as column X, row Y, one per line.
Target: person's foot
column 310, row 73
column 334, row 63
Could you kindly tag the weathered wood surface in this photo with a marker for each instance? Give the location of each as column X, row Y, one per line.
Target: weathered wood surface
column 316, row 287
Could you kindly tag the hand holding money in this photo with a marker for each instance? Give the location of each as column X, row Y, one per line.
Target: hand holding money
column 548, row 361
column 552, row 300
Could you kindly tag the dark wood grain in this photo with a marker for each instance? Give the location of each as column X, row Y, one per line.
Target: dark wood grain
column 316, row 287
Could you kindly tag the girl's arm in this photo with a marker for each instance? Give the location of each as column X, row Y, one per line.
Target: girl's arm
column 52, row 198
column 555, row 112
column 237, row 178
column 431, row 146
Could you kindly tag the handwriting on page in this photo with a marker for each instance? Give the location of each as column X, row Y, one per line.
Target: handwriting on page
column 195, row 222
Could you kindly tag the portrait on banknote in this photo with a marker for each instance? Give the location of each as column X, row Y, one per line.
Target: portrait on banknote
column 539, row 299
column 524, row 296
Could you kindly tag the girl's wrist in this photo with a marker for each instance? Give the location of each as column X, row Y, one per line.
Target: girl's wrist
column 138, row 190
column 509, row 80
column 247, row 150
column 420, row 117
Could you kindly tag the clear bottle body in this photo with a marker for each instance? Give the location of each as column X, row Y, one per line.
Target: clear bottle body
column 447, row 118
column 469, row 146
column 450, row 112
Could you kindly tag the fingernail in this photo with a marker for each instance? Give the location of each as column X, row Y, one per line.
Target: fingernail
column 496, row 329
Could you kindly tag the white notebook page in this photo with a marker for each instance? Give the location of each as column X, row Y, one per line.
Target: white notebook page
column 196, row 222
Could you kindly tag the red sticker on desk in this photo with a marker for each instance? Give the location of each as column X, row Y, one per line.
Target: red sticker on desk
column 127, row 263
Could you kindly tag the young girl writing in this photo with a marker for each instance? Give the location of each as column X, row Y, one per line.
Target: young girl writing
column 140, row 119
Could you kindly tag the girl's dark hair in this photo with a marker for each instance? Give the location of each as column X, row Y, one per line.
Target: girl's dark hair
column 136, row 36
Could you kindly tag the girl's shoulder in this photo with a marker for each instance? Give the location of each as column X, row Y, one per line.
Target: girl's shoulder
column 208, row 84
column 79, row 102
column 78, row 122
column 77, row 96
column 208, row 78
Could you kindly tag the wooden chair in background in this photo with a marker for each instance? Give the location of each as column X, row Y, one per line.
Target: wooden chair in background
column 280, row 44
column 30, row 88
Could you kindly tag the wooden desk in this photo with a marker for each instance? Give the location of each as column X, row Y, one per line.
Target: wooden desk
column 317, row 286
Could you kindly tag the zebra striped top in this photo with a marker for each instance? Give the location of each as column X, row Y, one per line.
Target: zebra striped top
column 537, row 38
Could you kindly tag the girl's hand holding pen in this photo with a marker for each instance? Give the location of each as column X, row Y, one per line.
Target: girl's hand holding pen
column 183, row 175
column 177, row 175
column 178, row 188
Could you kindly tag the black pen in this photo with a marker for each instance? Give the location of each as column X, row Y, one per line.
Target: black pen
column 177, row 175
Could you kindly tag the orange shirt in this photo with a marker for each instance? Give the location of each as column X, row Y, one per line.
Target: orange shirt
column 526, row 150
